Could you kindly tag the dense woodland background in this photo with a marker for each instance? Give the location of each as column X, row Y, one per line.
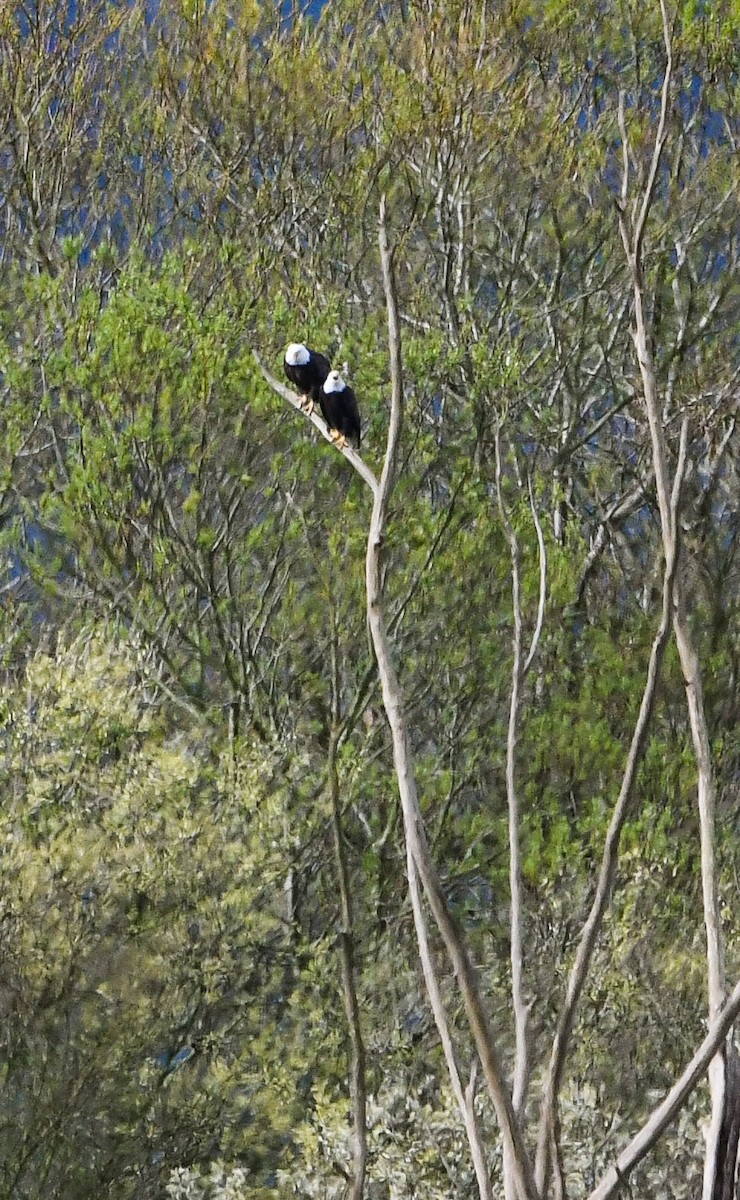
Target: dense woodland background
column 186, row 659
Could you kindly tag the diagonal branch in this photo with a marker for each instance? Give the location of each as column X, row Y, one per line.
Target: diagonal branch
column 465, row 1097
column 659, row 1120
column 352, row 455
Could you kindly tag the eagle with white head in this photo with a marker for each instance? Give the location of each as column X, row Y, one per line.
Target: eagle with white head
column 307, row 370
column 340, row 410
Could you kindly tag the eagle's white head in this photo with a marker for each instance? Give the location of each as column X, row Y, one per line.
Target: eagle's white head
column 334, row 382
column 297, row 355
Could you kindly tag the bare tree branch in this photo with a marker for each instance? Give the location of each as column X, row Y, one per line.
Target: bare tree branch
column 660, row 139
column 465, row 1096
column 659, row 1120
column 542, row 549
column 413, row 821
column 521, row 1012
column 353, row 455
column 590, row 932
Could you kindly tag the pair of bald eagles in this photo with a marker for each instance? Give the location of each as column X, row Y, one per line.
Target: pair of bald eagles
column 314, row 379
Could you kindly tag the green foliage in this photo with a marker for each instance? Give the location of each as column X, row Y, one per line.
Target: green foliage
column 142, row 932
column 183, row 600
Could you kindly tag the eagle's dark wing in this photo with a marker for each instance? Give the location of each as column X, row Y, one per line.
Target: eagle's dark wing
column 330, row 407
column 340, row 411
column 321, row 364
column 350, row 417
column 292, row 374
column 320, row 368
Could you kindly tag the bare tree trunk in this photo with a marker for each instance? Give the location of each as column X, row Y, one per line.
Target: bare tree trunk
column 465, row 1096
column 416, row 839
column 632, row 232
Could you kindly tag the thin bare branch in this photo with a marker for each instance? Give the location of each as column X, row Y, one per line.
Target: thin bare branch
column 521, row 1012
column 660, row 138
column 542, row 548
column 358, row 1090
column 387, row 477
column 609, row 859
column 516, row 887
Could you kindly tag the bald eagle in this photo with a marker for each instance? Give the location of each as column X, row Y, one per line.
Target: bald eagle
column 307, row 370
column 340, row 411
